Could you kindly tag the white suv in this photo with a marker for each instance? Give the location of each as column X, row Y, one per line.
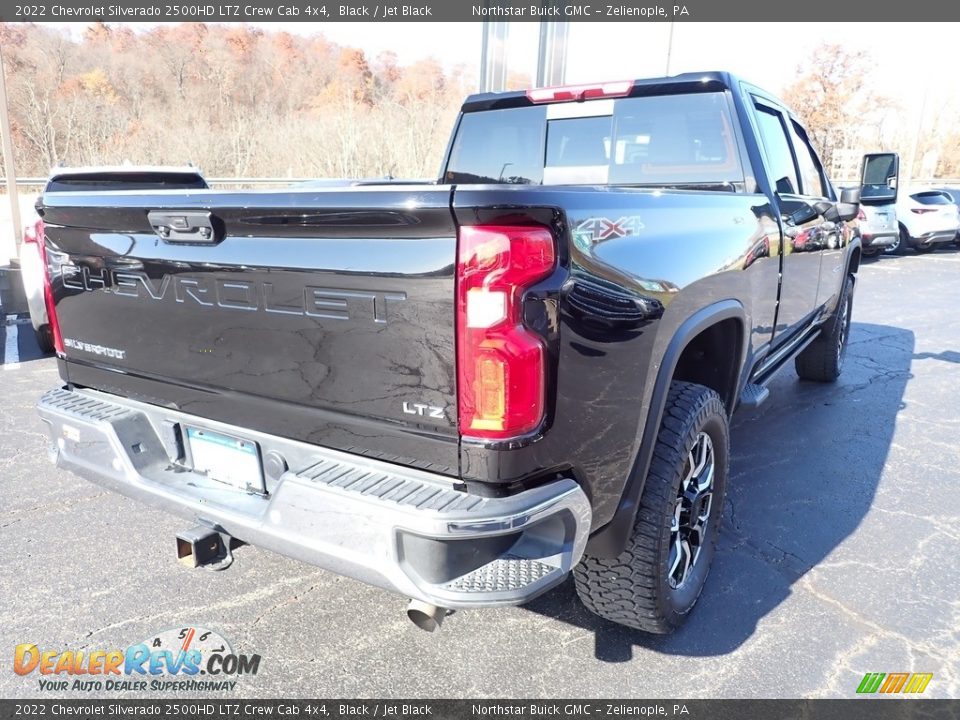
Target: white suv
column 928, row 218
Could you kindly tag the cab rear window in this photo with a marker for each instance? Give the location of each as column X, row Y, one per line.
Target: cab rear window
column 680, row 140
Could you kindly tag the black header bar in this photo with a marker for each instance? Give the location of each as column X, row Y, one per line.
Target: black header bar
column 479, row 10
column 239, row 709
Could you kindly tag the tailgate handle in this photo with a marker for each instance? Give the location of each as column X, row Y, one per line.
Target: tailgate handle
column 195, row 227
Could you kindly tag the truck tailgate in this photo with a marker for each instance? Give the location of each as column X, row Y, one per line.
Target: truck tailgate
column 325, row 316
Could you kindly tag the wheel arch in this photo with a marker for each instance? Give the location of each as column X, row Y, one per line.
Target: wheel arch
column 854, row 256
column 717, row 318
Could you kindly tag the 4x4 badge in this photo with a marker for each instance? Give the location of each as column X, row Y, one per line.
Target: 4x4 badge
column 598, row 229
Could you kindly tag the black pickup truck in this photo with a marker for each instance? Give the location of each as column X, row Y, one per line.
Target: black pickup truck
column 463, row 390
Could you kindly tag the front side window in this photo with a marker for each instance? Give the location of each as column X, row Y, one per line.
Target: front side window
column 810, row 175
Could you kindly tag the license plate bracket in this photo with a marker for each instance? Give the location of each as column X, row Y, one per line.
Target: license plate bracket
column 227, row 459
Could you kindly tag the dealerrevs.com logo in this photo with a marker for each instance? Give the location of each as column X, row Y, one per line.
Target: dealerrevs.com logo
column 894, row 683
column 186, row 659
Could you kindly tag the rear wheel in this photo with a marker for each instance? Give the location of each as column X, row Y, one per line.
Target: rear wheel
column 822, row 360
column 924, row 249
column 655, row 582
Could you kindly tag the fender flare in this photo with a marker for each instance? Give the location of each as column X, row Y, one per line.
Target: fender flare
column 854, row 249
column 611, row 539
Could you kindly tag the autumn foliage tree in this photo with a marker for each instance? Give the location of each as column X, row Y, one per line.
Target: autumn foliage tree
column 834, row 95
column 232, row 99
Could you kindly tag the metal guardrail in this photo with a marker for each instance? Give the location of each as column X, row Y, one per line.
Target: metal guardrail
column 914, row 182
column 40, row 182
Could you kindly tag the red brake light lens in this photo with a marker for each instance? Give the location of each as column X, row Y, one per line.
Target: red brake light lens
column 923, row 211
column 501, row 365
column 32, row 233
column 40, row 240
column 861, row 215
column 571, row 93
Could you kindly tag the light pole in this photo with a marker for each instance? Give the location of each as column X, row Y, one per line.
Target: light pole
column 493, row 56
column 7, row 142
column 669, row 48
column 916, row 135
column 552, row 53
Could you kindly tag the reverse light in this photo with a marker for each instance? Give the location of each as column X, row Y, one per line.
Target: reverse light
column 37, row 236
column 571, row 93
column 501, row 364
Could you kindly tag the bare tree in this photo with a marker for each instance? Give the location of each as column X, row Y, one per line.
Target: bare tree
column 234, row 100
column 834, row 95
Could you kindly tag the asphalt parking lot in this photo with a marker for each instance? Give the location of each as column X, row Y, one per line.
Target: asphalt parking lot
column 839, row 554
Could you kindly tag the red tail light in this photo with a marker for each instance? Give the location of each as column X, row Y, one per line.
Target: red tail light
column 923, row 211
column 501, row 365
column 39, row 237
column 569, row 93
column 32, row 233
column 861, row 215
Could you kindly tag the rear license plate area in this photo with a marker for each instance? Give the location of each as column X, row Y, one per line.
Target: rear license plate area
column 232, row 461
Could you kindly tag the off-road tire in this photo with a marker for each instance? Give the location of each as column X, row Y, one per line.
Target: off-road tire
column 634, row 589
column 822, row 360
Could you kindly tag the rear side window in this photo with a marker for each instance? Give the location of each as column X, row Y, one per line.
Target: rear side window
column 679, row 140
column 780, row 164
column 499, row 146
column 932, row 198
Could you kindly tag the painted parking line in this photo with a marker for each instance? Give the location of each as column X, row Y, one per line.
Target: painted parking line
column 11, row 348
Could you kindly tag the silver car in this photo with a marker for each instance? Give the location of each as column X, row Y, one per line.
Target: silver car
column 878, row 228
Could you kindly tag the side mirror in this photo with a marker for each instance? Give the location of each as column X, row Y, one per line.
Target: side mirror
column 850, row 195
column 802, row 213
column 849, row 205
column 847, row 211
column 879, row 178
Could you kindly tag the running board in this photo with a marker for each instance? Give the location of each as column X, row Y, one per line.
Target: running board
column 754, row 395
column 774, row 362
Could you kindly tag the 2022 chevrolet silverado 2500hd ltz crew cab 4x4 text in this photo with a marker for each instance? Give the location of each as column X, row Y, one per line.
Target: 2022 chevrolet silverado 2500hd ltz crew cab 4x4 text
column 466, row 389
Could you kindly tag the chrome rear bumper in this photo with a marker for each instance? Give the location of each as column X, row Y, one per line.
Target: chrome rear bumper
column 405, row 530
column 880, row 239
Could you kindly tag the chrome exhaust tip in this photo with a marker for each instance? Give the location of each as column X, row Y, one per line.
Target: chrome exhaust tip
column 426, row 616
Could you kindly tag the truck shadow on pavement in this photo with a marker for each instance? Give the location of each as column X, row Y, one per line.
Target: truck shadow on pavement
column 804, row 470
column 20, row 335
